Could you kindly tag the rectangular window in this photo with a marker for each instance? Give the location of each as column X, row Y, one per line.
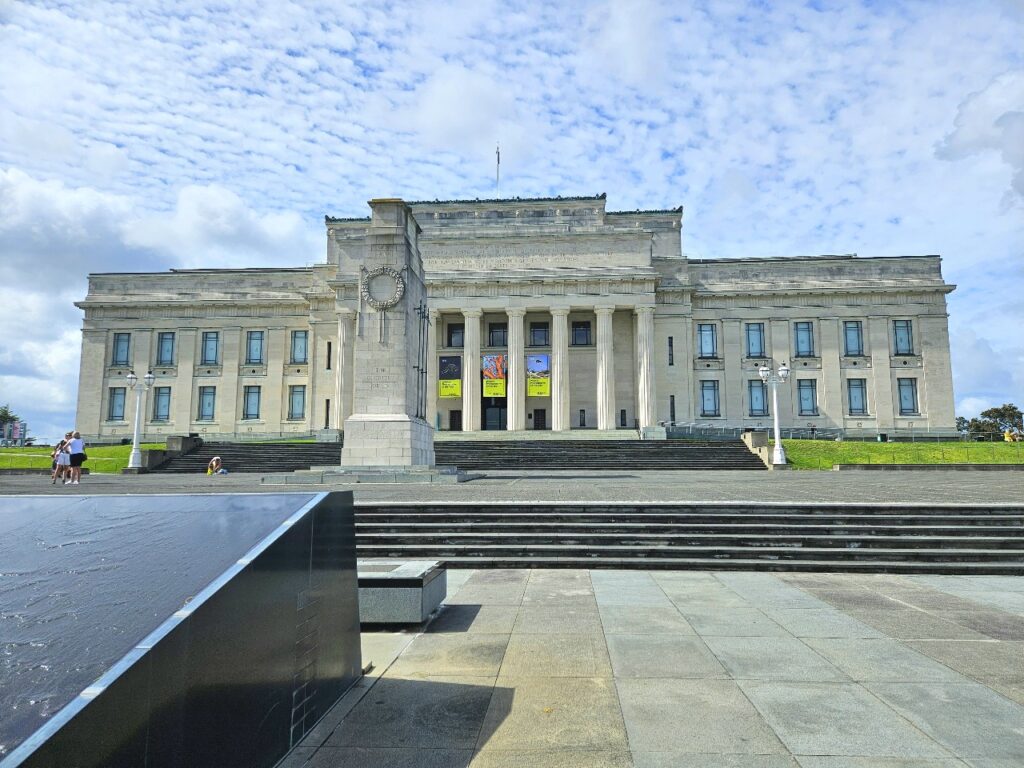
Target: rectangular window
column 583, row 418
column 122, row 343
column 903, row 337
column 671, row 352
column 908, row 396
column 758, row 395
column 251, row 403
column 254, row 348
column 165, row 348
column 807, row 392
column 211, row 348
column 329, row 355
column 853, row 338
column 672, row 408
column 755, row 340
column 581, row 333
column 497, row 334
column 456, row 333
column 297, row 402
column 707, row 340
column 300, row 347
column 327, row 413
column 857, row 395
column 161, row 403
column 540, row 335
column 622, row 417
column 207, row 403
column 115, row 405
column 803, row 334
column 709, row 398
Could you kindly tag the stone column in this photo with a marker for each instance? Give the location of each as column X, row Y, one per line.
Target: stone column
column 343, row 376
column 432, row 331
column 645, row 367
column 516, row 371
column 559, row 369
column 471, row 371
column 605, row 369
column 885, row 405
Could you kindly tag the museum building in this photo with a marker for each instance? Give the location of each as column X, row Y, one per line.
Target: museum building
column 541, row 314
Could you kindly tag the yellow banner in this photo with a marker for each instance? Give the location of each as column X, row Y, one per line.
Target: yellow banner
column 494, row 387
column 538, row 387
column 449, row 388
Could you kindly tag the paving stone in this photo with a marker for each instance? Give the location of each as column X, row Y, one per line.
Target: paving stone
column 565, row 655
column 985, row 659
column 1012, row 691
column 771, row 658
column 911, row 624
column 646, row 596
column 998, row 625
column 677, row 760
column 491, row 594
column 560, row 758
column 968, row 718
column 362, row 757
column 493, row 619
column 627, row 619
column 546, row 714
column 820, row 622
column 462, row 655
column 504, row 577
column 662, row 656
column 881, row 660
column 816, row 761
column 858, row 598
column 836, row 719
column 428, row 713
column 545, row 619
column 693, row 717
column 543, row 595
column 738, row 622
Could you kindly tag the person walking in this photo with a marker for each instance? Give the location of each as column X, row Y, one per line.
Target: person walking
column 61, row 460
column 76, row 449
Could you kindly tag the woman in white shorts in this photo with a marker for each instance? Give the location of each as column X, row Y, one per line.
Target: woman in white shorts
column 76, row 449
column 62, row 461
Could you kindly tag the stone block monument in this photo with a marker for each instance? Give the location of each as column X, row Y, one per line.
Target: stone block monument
column 388, row 427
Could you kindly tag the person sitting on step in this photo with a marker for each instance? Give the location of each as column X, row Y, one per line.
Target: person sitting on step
column 216, row 467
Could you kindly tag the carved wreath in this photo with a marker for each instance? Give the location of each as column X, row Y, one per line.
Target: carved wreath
column 377, row 302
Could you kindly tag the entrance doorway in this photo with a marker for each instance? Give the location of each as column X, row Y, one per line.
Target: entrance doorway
column 540, row 418
column 455, row 421
column 495, row 413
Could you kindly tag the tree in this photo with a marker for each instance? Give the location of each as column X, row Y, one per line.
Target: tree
column 7, row 415
column 994, row 421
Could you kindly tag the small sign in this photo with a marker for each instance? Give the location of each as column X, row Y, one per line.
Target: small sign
column 449, row 388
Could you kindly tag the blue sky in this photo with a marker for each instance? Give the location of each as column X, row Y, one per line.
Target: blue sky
column 142, row 135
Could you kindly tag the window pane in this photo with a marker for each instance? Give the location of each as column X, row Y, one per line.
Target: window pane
column 121, row 344
column 854, row 337
column 904, row 337
column 161, row 403
column 755, row 339
column 252, row 403
column 908, row 396
column 254, row 347
column 581, row 333
column 709, row 398
column 857, row 392
column 115, row 410
column 165, row 349
column 539, row 335
column 455, row 334
column 804, row 340
column 497, row 334
column 706, row 340
column 207, row 401
column 671, row 352
column 807, row 389
column 211, row 342
column 299, row 343
column 296, row 402
column 758, row 398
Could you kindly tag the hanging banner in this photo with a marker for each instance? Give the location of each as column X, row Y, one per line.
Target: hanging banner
column 538, row 376
column 449, row 377
column 493, row 369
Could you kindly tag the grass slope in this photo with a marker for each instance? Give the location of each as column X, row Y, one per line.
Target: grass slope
column 109, row 459
column 822, row 454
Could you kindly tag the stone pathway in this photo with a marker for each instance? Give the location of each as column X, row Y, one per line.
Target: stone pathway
column 551, row 669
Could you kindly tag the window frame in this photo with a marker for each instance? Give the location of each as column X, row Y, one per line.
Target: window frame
column 201, row 395
column 863, row 387
column 759, row 385
column 760, row 333
column 293, row 359
column 497, row 334
column 798, row 327
column 453, row 330
column 204, row 358
column 848, row 325
column 712, row 386
column 897, row 349
column 127, row 359
column 250, row 336
column 248, row 391
column 671, row 352
column 540, row 327
column 161, row 338
column 584, row 327
column 914, row 393
column 123, row 392
column 807, row 384
column 161, row 395
column 293, row 390
column 701, row 352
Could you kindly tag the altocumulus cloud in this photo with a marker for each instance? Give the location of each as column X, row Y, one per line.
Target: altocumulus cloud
column 143, row 136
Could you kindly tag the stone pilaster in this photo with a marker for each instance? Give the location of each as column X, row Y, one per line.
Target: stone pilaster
column 883, row 407
column 432, row 330
column 645, row 366
column 181, row 395
column 560, row 369
column 605, row 368
column 92, row 387
column 343, row 376
column 471, row 371
column 516, row 370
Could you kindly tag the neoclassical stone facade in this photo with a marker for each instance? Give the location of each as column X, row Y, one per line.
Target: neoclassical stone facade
column 579, row 318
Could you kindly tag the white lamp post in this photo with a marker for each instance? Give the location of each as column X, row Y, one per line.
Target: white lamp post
column 135, row 459
column 768, row 376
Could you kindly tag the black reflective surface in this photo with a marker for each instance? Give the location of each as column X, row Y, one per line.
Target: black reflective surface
column 84, row 579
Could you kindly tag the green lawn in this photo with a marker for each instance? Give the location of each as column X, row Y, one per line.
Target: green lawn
column 822, row 454
column 112, row 458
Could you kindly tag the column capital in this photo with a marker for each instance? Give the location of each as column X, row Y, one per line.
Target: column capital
column 563, row 311
column 344, row 313
column 604, row 309
column 642, row 309
column 472, row 312
column 515, row 312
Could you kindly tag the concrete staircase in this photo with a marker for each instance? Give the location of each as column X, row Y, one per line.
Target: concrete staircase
column 969, row 539
column 255, row 457
column 595, row 454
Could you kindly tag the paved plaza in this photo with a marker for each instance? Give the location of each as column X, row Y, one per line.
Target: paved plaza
column 693, row 669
